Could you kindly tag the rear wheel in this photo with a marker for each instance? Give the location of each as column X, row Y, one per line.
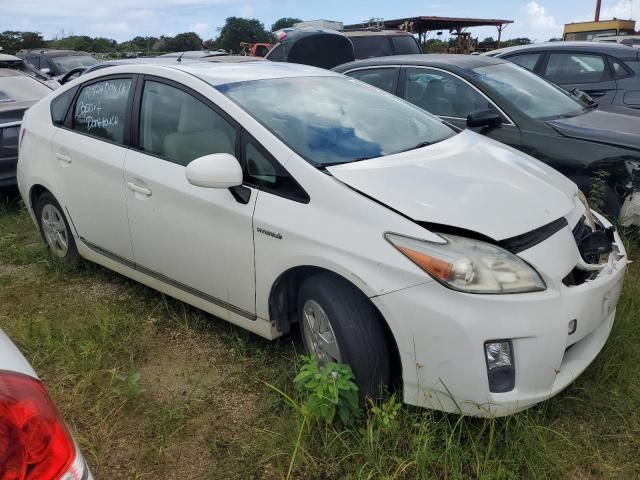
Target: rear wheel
column 338, row 323
column 55, row 230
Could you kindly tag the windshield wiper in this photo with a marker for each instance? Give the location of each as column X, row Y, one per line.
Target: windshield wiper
column 420, row 145
column 361, row 159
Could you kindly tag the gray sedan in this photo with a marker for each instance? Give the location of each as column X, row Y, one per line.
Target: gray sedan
column 608, row 73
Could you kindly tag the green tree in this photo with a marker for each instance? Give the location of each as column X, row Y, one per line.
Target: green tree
column 184, row 42
column 285, row 22
column 516, row 41
column 238, row 30
column 435, row 45
column 139, row 43
column 11, row 41
column 84, row 43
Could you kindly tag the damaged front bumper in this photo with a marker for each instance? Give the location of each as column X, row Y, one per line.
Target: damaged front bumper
column 444, row 332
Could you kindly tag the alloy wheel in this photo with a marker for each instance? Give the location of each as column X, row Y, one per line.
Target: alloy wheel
column 318, row 334
column 55, row 230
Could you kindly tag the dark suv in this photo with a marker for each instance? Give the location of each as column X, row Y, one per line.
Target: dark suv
column 608, row 73
column 371, row 42
column 329, row 48
column 56, row 63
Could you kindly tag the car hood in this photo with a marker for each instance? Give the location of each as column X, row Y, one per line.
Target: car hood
column 614, row 125
column 468, row 182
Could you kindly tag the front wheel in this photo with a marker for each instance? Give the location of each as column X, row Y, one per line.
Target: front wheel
column 55, row 231
column 339, row 324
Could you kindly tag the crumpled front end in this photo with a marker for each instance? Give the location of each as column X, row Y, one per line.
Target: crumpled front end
column 545, row 339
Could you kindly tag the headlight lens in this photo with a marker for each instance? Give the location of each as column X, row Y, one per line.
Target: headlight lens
column 470, row 265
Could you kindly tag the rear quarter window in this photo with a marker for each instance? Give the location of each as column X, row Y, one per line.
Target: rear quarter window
column 619, row 68
column 60, row 106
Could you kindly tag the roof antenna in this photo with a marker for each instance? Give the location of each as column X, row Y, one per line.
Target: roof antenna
column 180, row 57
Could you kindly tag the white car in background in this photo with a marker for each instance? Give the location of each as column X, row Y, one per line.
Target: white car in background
column 35, row 443
column 272, row 194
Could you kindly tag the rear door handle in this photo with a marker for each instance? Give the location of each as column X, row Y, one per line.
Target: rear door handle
column 63, row 158
column 139, row 188
column 596, row 93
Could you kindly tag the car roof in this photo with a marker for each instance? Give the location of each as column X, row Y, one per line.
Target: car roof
column 194, row 54
column 234, row 59
column 218, row 73
column 372, row 33
column 52, row 52
column 141, row 61
column 614, row 49
column 430, row 59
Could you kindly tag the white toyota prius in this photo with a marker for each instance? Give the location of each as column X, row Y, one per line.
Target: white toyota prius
column 471, row 275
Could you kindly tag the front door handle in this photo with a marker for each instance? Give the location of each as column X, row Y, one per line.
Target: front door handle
column 139, row 188
column 63, row 158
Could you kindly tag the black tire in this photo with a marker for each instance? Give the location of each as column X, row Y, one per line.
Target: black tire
column 70, row 257
column 357, row 327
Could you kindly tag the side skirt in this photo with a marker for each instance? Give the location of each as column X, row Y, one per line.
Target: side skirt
column 223, row 310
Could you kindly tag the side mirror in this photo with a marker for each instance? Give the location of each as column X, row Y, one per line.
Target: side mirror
column 46, row 71
column 483, row 118
column 219, row 170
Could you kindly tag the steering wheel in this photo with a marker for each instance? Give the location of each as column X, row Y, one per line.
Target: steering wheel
column 74, row 72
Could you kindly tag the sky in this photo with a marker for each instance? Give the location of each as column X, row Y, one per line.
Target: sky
column 121, row 20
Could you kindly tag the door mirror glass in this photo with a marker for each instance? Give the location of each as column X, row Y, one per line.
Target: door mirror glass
column 219, row 170
column 483, row 118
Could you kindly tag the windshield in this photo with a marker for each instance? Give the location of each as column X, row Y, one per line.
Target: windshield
column 530, row 93
column 332, row 120
column 21, row 89
column 66, row 64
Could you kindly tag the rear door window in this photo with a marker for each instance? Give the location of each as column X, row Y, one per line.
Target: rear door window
column 572, row 68
column 383, row 78
column 101, row 109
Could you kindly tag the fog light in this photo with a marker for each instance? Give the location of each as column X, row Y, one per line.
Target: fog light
column 500, row 365
column 573, row 326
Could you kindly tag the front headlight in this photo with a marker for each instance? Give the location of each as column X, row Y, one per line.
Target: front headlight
column 470, row 265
